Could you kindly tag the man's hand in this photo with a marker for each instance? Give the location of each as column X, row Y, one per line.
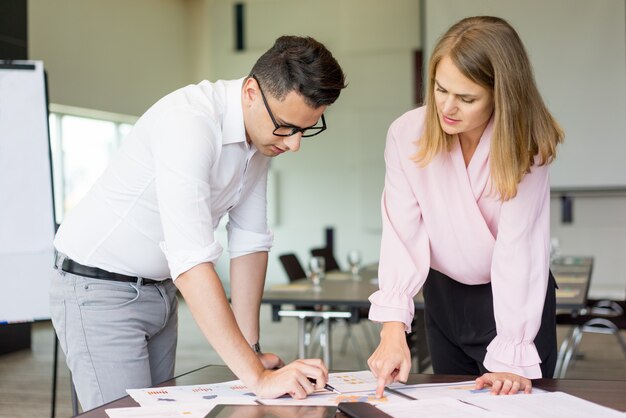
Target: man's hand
column 205, row 296
column 504, row 383
column 270, row 361
column 293, row 379
column 391, row 362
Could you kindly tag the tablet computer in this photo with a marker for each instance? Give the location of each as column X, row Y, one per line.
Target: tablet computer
column 272, row 411
column 361, row 410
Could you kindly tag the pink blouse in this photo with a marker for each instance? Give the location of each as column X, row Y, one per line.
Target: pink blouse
column 445, row 216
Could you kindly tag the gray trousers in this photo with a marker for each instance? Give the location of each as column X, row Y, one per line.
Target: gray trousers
column 115, row 335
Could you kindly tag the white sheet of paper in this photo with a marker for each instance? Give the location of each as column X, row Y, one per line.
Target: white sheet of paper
column 440, row 408
column 227, row 392
column 330, row 399
column 458, row 390
column 545, row 405
column 236, row 392
column 353, row 381
column 162, row 411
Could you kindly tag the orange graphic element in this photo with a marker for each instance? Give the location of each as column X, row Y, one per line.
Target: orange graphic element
column 157, row 392
column 202, row 390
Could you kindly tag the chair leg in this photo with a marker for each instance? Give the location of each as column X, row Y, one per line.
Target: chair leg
column 317, row 336
column 309, row 327
column 571, row 351
column 302, row 338
column 562, row 351
column 325, row 342
column 621, row 341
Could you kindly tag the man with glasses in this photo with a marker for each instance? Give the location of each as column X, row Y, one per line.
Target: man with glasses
column 146, row 230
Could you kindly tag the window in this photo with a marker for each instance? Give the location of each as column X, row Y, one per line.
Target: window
column 82, row 143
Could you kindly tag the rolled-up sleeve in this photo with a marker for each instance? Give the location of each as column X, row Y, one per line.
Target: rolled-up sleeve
column 519, row 276
column 183, row 187
column 404, row 252
column 247, row 222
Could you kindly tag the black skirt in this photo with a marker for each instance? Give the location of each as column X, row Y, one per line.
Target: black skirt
column 460, row 325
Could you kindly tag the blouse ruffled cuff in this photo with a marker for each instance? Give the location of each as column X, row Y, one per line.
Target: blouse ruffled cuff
column 519, row 358
column 388, row 307
column 182, row 260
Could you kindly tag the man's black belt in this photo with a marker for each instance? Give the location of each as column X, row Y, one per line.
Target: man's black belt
column 71, row 266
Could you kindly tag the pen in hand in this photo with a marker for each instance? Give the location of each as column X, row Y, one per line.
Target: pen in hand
column 326, row 386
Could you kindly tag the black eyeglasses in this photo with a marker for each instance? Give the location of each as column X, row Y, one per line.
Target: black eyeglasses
column 288, row 130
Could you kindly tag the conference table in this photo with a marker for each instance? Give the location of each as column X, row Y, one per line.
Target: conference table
column 572, row 273
column 608, row 393
column 340, row 295
column 343, row 295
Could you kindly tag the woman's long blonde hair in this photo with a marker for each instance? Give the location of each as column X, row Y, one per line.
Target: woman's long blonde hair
column 488, row 51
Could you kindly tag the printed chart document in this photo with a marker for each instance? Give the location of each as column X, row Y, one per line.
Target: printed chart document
column 330, row 399
column 448, row 400
column 354, row 387
column 233, row 392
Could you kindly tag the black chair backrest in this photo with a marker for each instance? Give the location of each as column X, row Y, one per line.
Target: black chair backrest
column 329, row 258
column 292, row 266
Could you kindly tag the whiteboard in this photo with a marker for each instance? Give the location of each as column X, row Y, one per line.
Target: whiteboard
column 578, row 52
column 26, row 203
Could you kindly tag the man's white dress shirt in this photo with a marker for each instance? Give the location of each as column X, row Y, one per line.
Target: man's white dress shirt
column 185, row 164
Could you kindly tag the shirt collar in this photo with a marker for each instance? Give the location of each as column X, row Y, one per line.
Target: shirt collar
column 233, row 130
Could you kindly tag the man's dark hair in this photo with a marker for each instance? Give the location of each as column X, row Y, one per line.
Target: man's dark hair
column 300, row 64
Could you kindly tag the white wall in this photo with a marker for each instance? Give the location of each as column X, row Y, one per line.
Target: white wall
column 114, row 55
column 577, row 51
column 121, row 56
column 599, row 229
column 337, row 177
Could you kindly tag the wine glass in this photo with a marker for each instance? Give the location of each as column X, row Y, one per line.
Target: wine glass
column 354, row 261
column 317, row 267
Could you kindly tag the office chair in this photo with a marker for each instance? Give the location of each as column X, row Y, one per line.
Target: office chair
column 292, row 266
column 600, row 317
column 329, row 257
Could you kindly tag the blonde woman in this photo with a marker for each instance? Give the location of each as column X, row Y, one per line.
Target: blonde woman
column 465, row 214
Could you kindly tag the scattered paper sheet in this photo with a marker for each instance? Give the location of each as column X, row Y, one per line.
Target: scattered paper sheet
column 562, row 279
column 545, row 405
column 298, row 287
column 330, row 399
column 236, row 392
column 338, row 275
column 458, row 390
column 567, row 293
column 227, row 392
column 162, row 411
column 440, row 408
column 448, row 400
column 353, row 381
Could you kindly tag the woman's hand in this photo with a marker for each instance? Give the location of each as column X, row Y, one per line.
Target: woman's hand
column 391, row 362
column 504, row 383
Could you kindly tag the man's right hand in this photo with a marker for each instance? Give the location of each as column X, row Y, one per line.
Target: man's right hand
column 292, row 379
column 391, row 362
